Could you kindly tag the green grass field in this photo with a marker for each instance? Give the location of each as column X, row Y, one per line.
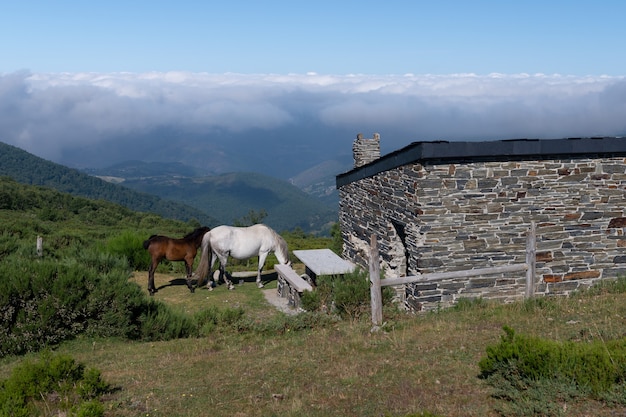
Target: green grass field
column 420, row 365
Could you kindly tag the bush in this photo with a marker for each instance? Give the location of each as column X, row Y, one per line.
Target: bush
column 52, row 385
column 130, row 245
column 44, row 302
column 547, row 371
column 286, row 323
column 351, row 294
column 347, row 295
column 160, row 322
column 90, row 409
column 607, row 286
column 311, row 300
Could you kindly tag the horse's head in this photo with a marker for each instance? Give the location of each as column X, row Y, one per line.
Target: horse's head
column 282, row 252
column 197, row 234
column 202, row 230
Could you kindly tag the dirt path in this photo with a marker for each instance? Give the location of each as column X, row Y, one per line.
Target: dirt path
column 271, row 295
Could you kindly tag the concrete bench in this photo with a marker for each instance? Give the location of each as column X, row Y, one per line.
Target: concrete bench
column 323, row 262
column 290, row 285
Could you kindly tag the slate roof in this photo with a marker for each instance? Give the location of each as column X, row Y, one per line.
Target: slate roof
column 444, row 152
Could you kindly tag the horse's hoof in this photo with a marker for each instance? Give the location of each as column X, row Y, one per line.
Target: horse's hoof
column 192, row 290
column 260, row 285
column 231, row 287
column 210, row 288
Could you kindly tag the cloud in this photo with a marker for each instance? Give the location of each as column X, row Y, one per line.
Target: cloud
column 47, row 114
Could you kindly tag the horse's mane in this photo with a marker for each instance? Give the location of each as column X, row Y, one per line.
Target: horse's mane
column 188, row 237
column 281, row 244
column 146, row 243
column 195, row 233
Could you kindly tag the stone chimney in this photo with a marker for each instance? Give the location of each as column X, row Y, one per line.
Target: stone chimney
column 365, row 151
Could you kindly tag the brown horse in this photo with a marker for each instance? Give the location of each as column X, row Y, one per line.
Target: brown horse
column 184, row 249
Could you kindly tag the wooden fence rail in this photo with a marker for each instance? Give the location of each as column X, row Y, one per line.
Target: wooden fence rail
column 376, row 283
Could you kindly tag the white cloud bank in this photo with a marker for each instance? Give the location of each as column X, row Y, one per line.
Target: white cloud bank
column 48, row 113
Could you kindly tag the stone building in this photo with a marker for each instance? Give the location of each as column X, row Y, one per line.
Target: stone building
column 448, row 206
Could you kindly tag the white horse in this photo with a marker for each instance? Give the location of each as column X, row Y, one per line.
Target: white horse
column 240, row 243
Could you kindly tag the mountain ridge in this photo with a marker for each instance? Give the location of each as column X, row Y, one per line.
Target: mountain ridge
column 174, row 190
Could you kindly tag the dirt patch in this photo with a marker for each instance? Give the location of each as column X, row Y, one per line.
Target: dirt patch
column 271, row 295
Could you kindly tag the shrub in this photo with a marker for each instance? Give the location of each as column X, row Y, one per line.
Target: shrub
column 52, row 384
column 545, row 369
column 130, row 245
column 44, row 302
column 608, row 286
column 285, row 323
column 160, row 322
column 210, row 318
column 351, row 294
column 347, row 295
column 311, row 300
column 90, row 409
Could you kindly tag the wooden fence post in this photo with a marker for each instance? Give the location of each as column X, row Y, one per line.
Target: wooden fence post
column 531, row 260
column 39, row 246
column 375, row 289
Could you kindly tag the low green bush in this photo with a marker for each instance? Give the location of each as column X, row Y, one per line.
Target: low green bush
column 129, row 244
column 311, row 300
column 160, row 322
column 347, row 295
column 54, row 384
column 546, row 371
column 351, row 294
column 45, row 301
column 283, row 324
column 606, row 286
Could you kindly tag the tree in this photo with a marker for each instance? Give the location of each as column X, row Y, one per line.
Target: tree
column 251, row 218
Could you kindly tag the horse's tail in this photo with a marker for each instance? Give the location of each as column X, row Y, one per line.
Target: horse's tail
column 203, row 267
column 146, row 243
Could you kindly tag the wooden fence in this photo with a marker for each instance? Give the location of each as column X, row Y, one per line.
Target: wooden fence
column 376, row 283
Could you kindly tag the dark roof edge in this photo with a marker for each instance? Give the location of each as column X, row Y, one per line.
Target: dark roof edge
column 443, row 152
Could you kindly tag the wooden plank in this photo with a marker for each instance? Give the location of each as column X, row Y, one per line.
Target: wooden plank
column 324, row 262
column 293, row 278
column 454, row 274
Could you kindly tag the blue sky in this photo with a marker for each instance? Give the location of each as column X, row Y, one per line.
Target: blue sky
column 75, row 74
column 329, row 37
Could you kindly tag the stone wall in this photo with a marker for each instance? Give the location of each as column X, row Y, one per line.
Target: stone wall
column 437, row 217
column 365, row 150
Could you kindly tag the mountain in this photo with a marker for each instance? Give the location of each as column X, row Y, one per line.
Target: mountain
column 281, row 153
column 175, row 190
column 228, row 197
column 138, row 169
column 320, row 180
column 30, row 169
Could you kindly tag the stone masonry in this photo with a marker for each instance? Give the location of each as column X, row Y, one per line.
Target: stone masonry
column 439, row 206
column 365, row 150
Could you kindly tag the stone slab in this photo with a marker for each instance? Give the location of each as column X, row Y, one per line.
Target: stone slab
column 324, row 262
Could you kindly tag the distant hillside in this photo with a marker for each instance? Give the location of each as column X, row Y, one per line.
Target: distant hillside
column 30, row 169
column 28, row 210
column 138, row 169
column 230, row 197
column 176, row 191
column 320, row 180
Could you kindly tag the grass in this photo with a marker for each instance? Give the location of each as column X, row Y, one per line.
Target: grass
column 419, row 364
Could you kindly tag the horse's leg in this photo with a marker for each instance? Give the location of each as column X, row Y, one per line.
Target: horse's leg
column 262, row 257
column 153, row 267
column 189, row 266
column 223, row 275
column 210, row 280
